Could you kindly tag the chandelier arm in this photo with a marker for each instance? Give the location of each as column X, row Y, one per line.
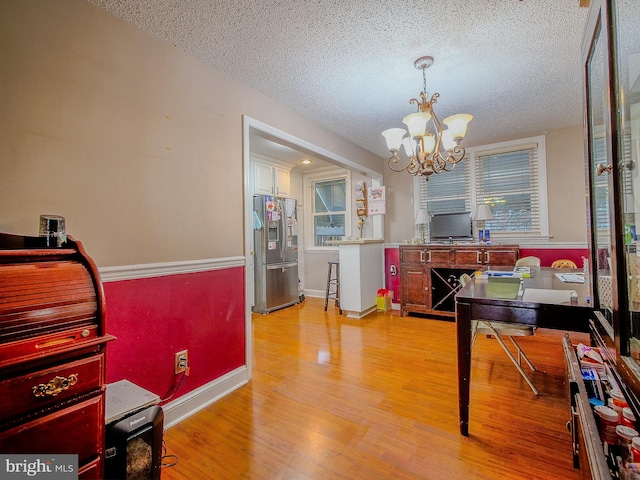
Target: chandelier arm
column 456, row 154
column 414, row 167
column 438, row 162
column 395, row 159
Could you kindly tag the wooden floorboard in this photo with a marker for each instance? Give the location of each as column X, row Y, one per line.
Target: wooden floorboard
column 376, row 398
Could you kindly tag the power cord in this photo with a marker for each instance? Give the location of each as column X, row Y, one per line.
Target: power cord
column 172, row 391
column 173, row 458
column 169, row 460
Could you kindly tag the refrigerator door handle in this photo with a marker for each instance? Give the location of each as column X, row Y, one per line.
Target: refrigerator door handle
column 283, row 225
column 279, row 266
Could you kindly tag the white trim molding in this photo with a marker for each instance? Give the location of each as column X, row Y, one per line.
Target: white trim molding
column 194, row 401
column 147, row 270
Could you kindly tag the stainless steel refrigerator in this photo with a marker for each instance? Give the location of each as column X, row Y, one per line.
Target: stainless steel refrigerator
column 275, row 228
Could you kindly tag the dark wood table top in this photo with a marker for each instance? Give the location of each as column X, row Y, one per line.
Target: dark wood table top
column 542, row 279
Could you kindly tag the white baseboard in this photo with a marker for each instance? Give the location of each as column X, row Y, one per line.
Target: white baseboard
column 196, row 400
column 314, row 293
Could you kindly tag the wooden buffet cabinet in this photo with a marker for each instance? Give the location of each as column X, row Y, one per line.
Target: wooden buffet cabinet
column 429, row 274
column 52, row 352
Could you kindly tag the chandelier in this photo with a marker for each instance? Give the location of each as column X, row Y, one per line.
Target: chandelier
column 429, row 152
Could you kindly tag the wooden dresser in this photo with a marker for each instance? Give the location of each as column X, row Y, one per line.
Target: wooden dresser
column 52, row 352
column 429, row 274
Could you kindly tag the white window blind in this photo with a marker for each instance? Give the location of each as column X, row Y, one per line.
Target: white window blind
column 447, row 192
column 508, row 181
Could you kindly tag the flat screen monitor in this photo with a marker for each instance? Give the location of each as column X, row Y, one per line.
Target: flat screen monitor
column 451, row 226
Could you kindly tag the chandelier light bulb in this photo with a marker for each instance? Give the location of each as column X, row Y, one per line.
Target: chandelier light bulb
column 428, row 143
column 447, row 140
column 458, row 125
column 393, row 136
column 416, row 123
column 409, row 145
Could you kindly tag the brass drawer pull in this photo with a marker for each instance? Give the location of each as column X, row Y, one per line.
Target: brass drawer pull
column 55, row 386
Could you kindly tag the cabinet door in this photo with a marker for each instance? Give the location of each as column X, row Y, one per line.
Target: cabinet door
column 500, row 257
column 262, row 179
column 602, row 169
column 415, row 288
column 282, row 180
column 628, row 142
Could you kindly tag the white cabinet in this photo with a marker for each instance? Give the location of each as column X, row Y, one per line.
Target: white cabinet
column 269, row 179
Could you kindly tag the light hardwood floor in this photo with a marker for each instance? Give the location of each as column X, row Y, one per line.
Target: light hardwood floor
column 376, row 398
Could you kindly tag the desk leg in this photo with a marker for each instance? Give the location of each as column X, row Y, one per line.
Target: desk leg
column 463, row 326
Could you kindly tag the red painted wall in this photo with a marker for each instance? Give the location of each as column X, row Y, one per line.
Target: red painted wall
column 153, row 318
column 392, row 281
column 548, row 255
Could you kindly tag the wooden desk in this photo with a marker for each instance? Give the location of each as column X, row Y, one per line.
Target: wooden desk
column 473, row 303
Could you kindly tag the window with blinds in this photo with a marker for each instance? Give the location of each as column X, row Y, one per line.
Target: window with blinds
column 329, row 210
column 447, row 192
column 510, row 177
column 508, row 182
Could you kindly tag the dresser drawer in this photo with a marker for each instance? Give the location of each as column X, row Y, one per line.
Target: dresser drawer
column 91, row 471
column 45, row 388
column 78, row 429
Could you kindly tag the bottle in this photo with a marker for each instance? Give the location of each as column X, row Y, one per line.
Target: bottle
column 635, row 449
column 611, row 404
column 625, row 435
column 607, row 423
column 628, row 418
column 618, row 398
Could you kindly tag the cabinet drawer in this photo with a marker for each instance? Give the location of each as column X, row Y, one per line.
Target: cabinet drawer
column 441, row 255
column 470, row 257
column 501, row 257
column 78, row 429
column 17, row 394
column 412, row 255
column 426, row 255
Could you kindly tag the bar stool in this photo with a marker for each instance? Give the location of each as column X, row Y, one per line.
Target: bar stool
column 333, row 281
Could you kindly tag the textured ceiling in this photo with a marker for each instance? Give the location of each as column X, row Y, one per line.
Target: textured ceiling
column 513, row 64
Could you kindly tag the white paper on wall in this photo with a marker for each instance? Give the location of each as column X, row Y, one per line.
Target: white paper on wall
column 376, row 201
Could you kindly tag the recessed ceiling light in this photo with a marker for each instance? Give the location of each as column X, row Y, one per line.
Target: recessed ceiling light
column 306, row 162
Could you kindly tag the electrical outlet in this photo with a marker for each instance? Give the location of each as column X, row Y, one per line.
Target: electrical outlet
column 181, row 361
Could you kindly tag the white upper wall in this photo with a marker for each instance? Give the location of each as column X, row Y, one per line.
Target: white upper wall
column 137, row 145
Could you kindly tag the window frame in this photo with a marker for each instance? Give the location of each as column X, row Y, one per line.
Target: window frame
column 309, row 182
column 472, row 154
